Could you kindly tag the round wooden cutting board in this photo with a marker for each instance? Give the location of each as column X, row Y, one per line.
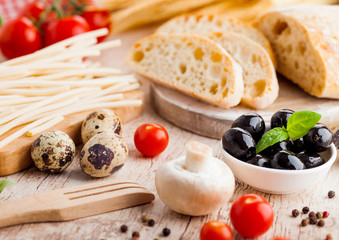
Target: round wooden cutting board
column 210, row 121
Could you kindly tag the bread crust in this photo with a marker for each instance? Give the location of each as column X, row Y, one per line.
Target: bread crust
column 205, row 23
column 232, row 72
column 319, row 25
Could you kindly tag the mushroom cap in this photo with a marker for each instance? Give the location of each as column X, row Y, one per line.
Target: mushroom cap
column 104, row 154
column 194, row 193
column 102, row 120
column 53, row 151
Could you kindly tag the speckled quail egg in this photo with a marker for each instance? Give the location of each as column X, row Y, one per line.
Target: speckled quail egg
column 102, row 120
column 104, row 154
column 53, row 151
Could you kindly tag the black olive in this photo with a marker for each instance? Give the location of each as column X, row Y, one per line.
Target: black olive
column 260, row 161
column 336, row 139
column 296, row 146
column 280, row 118
column 272, row 150
column 311, row 160
column 287, row 160
column 239, row 143
column 251, row 122
column 318, row 139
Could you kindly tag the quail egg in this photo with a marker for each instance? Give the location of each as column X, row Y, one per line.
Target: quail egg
column 104, row 154
column 102, row 120
column 53, row 151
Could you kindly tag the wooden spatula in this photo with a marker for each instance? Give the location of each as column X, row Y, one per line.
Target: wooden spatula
column 74, row 202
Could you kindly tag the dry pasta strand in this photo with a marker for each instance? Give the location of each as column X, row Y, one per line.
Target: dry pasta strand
column 38, row 90
column 44, row 126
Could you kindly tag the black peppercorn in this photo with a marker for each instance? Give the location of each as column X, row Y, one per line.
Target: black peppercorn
column 151, row 222
column 331, row 194
column 306, row 210
column 304, row 222
column 313, row 220
column 295, row 213
column 312, row 215
column 321, row 223
column 135, row 234
column 166, row 232
column 123, row 228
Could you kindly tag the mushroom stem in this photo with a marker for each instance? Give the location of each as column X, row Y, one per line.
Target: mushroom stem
column 197, row 154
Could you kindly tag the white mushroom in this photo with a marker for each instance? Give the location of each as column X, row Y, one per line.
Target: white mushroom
column 197, row 184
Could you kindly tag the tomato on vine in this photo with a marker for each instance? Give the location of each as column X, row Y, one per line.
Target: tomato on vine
column 33, row 10
column 60, row 29
column 98, row 19
column 19, row 37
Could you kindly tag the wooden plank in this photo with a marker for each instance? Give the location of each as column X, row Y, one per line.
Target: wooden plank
column 142, row 170
column 17, row 156
column 210, row 121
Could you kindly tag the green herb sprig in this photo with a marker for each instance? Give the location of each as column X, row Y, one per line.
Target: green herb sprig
column 298, row 125
column 5, row 183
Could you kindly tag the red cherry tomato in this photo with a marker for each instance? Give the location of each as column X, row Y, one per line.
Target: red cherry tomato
column 60, row 29
column 151, row 139
column 280, row 238
column 216, row 230
column 98, row 19
column 251, row 215
column 19, row 37
column 33, row 10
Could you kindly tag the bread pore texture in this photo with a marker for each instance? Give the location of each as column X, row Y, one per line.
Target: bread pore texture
column 305, row 40
column 260, row 81
column 206, row 23
column 192, row 64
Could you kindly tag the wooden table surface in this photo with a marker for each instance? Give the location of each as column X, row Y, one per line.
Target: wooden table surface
column 142, row 170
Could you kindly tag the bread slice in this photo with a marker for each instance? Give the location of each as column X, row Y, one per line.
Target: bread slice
column 305, row 40
column 192, row 64
column 201, row 24
column 260, row 81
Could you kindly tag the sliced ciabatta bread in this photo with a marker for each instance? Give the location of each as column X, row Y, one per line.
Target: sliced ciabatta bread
column 192, row 64
column 306, row 42
column 198, row 23
column 260, row 81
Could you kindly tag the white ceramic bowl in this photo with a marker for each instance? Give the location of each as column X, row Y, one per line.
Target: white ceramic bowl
column 279, row 181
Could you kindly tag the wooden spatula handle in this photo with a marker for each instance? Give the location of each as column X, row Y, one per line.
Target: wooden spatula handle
column 73, row 203
column 21, row 211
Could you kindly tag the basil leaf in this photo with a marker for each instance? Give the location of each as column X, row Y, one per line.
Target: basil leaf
column 300, row 123
column 270, row 138
column 5, row 183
